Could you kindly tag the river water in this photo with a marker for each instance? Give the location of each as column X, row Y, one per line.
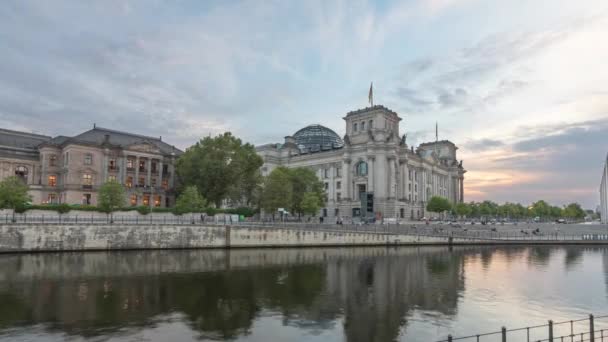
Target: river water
column 328, row 294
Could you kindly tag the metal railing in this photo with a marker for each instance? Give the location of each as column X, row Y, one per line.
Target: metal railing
column 592, row 328
column 76, row 217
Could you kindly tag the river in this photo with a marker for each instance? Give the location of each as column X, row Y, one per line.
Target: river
column 321, row 294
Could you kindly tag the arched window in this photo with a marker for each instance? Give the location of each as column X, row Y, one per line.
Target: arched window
column 363, row 125
column 361, row 169
column 21, row 172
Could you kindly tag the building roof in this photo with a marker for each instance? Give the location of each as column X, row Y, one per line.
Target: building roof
column 316, row 138
column 370, row 109
column 22, row 140
column 101, row 136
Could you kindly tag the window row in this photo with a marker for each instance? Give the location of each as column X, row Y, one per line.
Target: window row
column 360, row 126
column 87, row 179
column 327, row 172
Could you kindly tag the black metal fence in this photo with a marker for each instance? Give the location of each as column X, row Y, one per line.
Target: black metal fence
column 592, row 328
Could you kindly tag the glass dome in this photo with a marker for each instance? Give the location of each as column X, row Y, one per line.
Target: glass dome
column 316, row 138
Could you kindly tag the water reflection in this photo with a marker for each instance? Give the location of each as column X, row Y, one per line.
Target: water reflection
column 370, row 294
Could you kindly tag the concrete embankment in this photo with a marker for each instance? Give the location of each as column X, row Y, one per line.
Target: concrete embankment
column 80, row 237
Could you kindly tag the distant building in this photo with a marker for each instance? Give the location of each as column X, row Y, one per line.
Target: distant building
column 71, row 169
column 371, row 159
column 604, row 193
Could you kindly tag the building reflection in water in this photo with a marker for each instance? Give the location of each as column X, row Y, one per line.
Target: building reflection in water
column 370, row 293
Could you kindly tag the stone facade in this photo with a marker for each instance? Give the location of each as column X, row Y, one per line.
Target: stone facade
column 372, row 158
column 71, row 169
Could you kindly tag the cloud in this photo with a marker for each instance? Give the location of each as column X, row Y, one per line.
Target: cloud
column 483, row 144
column 560, row 161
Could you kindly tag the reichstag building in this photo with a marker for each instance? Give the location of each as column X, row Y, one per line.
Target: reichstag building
column 371, row 171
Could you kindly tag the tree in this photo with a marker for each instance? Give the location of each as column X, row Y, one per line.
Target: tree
column 463, row 209
column 111, row 196
column 277, row 191
column 13, row 194
column 222, row 168
column 540, row 209
column 310, row 203
column 190, row 201
column 438, row 204
column 574, row 211
column 305, row 181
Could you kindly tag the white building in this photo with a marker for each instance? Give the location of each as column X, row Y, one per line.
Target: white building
column 604, row 193
column 372, row 158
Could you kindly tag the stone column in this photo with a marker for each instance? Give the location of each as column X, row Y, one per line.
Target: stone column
column 136, row 181
column 149, row 171
column 171, row 174
column 346, row 170
column 104, row 166
column 461, row 189
column 391, row 177
column 332, row 185
column 370, row 173
column 159, row 180
column 43, row 162
column 123, row 169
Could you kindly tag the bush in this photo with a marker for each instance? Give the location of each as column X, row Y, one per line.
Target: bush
column 143, row 209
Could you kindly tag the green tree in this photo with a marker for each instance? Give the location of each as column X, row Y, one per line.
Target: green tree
column 555, row 212
column 304, row 181
column 438, row 204
column 278, row 190
column 221, row 167
column 540, row 209
column 311, row 203
column 13, row 194
column 574, row 211
column 110, row 197
column 190, row 201
column 463, row 209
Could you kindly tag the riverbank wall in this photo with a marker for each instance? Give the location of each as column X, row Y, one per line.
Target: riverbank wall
column 83, row 237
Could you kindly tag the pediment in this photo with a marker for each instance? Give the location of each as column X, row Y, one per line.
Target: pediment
column 144, row 147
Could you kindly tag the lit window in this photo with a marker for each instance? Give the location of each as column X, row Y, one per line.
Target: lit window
column 355, row 127
column 88, row 159
column 111, row 178
column 52, row 180
column 157, row 201
column 52, row 160
column 87, row 179
column 133, row 200
column 129, row 163
column 146, row 200
column 129, row 183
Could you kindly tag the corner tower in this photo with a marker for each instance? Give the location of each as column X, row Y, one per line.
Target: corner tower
column 376, row 123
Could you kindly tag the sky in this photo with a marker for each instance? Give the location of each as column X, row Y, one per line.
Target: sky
column 521, row 86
